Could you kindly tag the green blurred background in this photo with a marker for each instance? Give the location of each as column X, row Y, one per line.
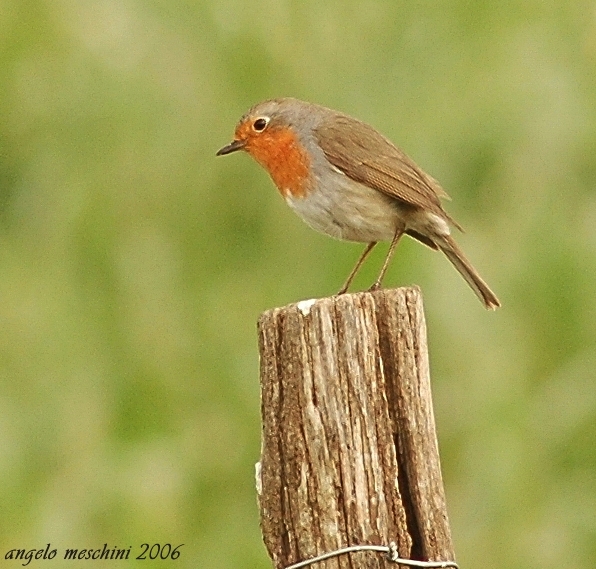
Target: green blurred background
column 134, row 264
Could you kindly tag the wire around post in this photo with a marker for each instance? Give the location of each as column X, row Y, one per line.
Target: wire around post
column 390, row 551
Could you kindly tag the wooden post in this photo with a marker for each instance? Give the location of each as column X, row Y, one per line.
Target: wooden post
column 349, row 450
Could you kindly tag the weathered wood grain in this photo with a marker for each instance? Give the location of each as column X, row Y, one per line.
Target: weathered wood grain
column 349, row 450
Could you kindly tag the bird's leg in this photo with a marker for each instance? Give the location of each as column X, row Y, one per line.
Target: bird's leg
column 398, row 233
column 361, row 260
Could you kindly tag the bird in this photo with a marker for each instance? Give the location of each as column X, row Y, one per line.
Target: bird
column 347, row 180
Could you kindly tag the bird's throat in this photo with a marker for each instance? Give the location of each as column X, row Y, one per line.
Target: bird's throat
column 282, row 155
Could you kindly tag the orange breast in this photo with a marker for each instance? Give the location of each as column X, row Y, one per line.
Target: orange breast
column 280, row 153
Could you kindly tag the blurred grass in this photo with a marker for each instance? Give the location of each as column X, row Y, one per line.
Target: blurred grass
column 134, row 264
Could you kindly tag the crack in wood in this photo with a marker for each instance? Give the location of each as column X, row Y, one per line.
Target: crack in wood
column 349, row 452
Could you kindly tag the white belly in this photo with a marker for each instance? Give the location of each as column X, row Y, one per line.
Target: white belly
column 353, row 212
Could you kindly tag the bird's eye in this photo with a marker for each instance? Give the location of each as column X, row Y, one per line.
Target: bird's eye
column 260, row 124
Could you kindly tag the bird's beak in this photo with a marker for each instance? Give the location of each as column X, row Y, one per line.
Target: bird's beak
column 232, row 147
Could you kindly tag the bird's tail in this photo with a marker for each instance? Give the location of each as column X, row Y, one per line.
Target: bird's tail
column 468, row 272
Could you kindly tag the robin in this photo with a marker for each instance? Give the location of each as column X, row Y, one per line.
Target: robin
column 345, row 179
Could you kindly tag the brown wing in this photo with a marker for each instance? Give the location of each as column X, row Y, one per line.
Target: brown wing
column 366, row 156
